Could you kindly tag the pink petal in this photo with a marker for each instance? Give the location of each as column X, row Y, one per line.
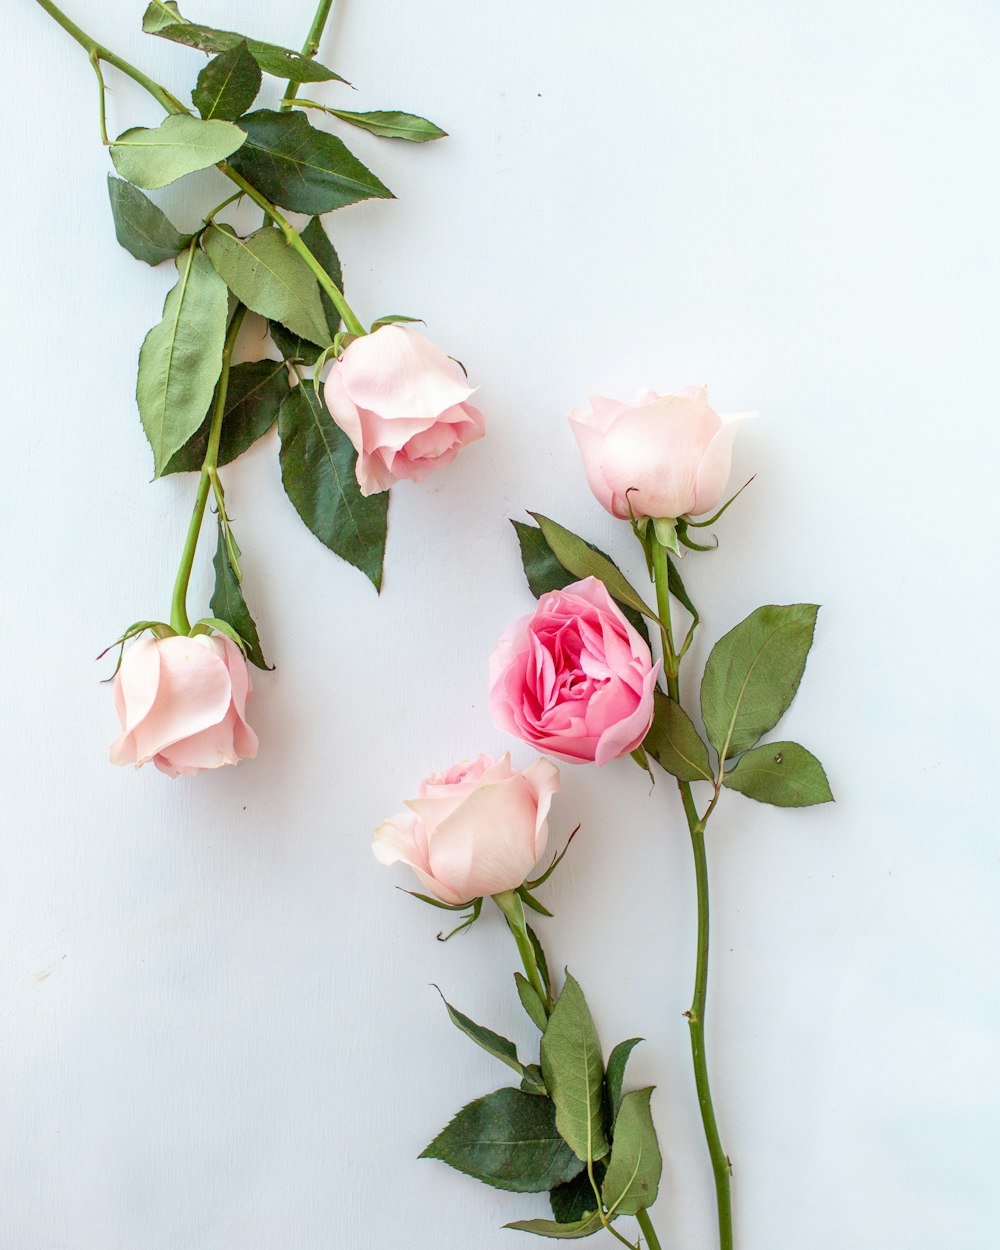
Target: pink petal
column 193, row 693
column 713, row 472
column 401, row 375
column 488, row 844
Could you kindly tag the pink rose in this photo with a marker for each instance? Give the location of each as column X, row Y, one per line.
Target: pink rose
column 402, row 403
column 672, row 452
column 475, row 830
column 182, row 704
column 574, row 678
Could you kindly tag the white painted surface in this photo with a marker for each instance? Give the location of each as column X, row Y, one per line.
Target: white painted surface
column 218, row 1031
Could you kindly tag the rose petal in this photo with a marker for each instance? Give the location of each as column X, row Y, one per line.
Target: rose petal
column 716, row 463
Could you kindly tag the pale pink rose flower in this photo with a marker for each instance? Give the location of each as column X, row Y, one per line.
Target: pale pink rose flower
column 182, row 704
column 670, row 454
column 475, row 830
column 402, row 403
column 573, row 678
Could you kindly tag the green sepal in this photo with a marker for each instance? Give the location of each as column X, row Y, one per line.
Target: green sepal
column 700, row 525
column 532, row 1004
column 499, row 1047
column 556, row 861
column 392, row 320
column 215, row 625
column 665, row 530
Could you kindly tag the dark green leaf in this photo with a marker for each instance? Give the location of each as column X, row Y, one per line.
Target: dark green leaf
column 301, row 168
column 495, row 1045
column 228, row 84
column 318, row 242
column 679, row 591
column 551, row 1228
column 181, row 358
column 142, row 228
column 781, row 773
column 582, row 560
column 178, row 146
column 574, row 1073
column 617, row 1061
column 292, row 347
column 533, row 1082
column 264, row 273
column 575, row 1199
column 317, row 471
column 530, row 1001
column 633, row 1175
column 508, row 1140
column 163, row 18
column 392, row 125
column 674, row 742
column 753, row 673
column 228, row 604
column 540, row 960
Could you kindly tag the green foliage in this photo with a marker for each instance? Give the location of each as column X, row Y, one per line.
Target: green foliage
column 532, row 1004
column 291, row 346
column 674, row 742
column 301, row 168
column 141, row 227
column 617, row 1062
column 392, row 125
column 575, row 1200
column 551, row 1228
column 228, row 84
column 318, row 474
column 753, row 673
column 781, row 773
column 633, row 1175
column 507, row 1139
column 256, row 391
column 181, row 358
column 267, row 275
column 573, row 1069
column 228, row 604
column 152, row 157
column 495, row 1045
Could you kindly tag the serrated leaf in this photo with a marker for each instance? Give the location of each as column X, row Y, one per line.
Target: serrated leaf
column 633, row 1175
column 551, row 1228
column 163, row 18
column 507, row 1139
column 228, row 84
column 228, row 604
column 318, row 242
column 301, row 168
column 674, row 742
column 575, row 1199
column 152, row 157
column 574, row 1072
column 141, row 227
column 256, row 391
column 391, row 125
column 617, row 1062
column 318, row 474
column 752, row 675
column 293, row 346
column 181, row 357
column 532, row 1004
column 781, row 773
column 495, row 1045
column 265, row 273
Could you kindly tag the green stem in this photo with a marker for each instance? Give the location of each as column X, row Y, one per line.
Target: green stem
column 310, row 47
column 696, row 1016
column 178, row 607
column 646, row 1224
column 161, row 94
column 510, row 904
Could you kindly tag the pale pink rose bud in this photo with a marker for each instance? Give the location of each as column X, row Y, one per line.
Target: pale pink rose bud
column 476, row 830
column 574, row 679
column 669, row 454
column 402, row 403
column 182, row 704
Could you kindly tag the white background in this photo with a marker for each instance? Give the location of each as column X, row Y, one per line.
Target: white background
column 218, row 1027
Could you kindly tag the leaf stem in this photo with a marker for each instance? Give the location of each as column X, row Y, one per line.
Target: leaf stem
column 646, row 1224
column 513, row 910
column 721, row 1167
column 178, row 606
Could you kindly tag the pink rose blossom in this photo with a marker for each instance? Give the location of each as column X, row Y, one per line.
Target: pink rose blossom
column 402, row 403
column 671, row 454
column 182, row 704
column 475, row 830
column 574, row 678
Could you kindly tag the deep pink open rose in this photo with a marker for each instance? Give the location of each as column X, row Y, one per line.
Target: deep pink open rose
column 182, row 704
column 475, row 830
column 670, row 454
column 573, row 678
column 402, row 403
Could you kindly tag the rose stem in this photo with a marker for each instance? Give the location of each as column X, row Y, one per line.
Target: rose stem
column 721, row 1166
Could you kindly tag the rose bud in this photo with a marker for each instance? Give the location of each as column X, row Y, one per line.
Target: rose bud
column 574, row 678
column 182, row 704
column 475, row 830
column 667, row 455
column 402, row 403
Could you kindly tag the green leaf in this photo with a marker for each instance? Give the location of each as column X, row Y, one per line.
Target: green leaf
column 540, row 960
column 264, row 273
column 301, row 168
column 392, row 125
column 782, row 773
column 574, row 1072
column 674, row 742
column 178, row 146
column 163, row 18
column 495, row 1045
column 530, row 1001
column 617, row 1061
column 582, row 560
column 181, row 358
column 228, row 604
column 141, row 227
column 228, row 84
column 292, row 346
column 551, row 1228
column 318, row 242
column 633, row 1175
column 575, row 1199
column 256, row 391
column 317, row 471
column 753, row 673
column 507, row 1139
column 533, row 1082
